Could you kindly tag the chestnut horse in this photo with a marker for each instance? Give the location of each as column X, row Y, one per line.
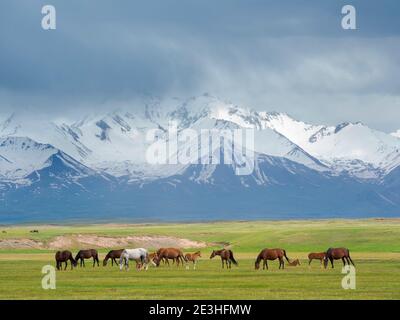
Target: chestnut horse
column 113, row 255
column 226, row 255
column 87, row 254
column 336, row 254
column 316, row 255
column 64, row 256
column 164, row 254
column 271, row 254
column 192, row 257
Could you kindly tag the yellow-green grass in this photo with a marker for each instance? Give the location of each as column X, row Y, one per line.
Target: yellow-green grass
column 374, row 245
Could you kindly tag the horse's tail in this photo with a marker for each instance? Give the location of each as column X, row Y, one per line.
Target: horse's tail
column 77, row 255
column 121, row 258
column 232, row 258
column 284, row 254
column 348, row 254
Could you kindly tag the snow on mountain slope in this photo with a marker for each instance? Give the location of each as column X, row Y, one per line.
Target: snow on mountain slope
column 396, row 134
column 353, row 141
column 116, row 141
column 20, row 156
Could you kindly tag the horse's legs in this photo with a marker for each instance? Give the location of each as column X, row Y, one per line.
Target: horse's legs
column 309, row 261
column 66, row 263
column 222, row 260
column 266, row 263
column 331, row 261
column 344, row 261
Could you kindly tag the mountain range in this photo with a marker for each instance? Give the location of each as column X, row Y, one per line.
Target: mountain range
column 95, row 167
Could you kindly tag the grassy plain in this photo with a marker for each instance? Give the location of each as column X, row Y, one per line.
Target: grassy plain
column 374, row 246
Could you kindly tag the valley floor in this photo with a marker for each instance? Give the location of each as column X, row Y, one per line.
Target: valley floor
column 374, row 246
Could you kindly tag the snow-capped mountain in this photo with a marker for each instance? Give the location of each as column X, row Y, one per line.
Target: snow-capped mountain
column 97, row 164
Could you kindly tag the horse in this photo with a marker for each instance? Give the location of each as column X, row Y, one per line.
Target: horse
column 140, row 255
column 271, row 254
column 64, row 256
column 337, row 253
column 86, row 254
column 226, row 256
column 175, row 254
column 294, row 263
column 192, row 257
column 316, row 255
column 113, row 255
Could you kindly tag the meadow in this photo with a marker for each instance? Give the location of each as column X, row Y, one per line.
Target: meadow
column 374, row 246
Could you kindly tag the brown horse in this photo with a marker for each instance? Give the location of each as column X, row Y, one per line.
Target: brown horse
column 316, row 255
column 164, row 254
column 192, row 257
column 336, row 254
column 87, row 254
column 294, row 263
column 271, row 254
column 64, row 256
column 113, row 255
column 226, row 256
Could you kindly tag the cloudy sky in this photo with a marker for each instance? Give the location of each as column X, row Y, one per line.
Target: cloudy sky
column 290, row 56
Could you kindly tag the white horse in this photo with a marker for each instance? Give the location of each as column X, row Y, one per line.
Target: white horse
column 140, row 255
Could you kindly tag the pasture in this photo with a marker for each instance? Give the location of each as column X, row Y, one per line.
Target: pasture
column 374, row 246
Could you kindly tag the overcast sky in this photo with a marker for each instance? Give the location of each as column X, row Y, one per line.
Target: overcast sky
column 290, row 56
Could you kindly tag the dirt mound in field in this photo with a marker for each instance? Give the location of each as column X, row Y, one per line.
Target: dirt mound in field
column 93, row 241
column 20, row 244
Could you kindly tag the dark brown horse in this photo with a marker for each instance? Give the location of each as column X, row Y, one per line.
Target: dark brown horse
column 317, row 256
column 271, row 254
column 336, row 254
column 87, row 254
column 164, row 254
column 64, row 256
column 226, row 256
column 113, row 255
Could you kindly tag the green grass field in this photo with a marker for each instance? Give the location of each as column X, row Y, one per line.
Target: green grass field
column 374, row 246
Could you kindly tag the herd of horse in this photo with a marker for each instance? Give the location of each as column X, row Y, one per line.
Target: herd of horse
column 143, row 258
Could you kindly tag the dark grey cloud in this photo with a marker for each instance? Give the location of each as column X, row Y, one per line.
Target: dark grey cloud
column 288, row 56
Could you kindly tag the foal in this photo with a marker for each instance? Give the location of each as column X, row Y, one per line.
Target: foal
column 294, row 263
column 192, row 257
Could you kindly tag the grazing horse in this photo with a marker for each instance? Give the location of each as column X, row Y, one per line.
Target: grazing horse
column 316, row 255
column 64, row 256
column 140, row 255
column 87, row 254
column 271, row 254
column 175, row 254
column 113, row 255
column 337, row 253
column 226, row 256
column 192, row 257
column 294, row 263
